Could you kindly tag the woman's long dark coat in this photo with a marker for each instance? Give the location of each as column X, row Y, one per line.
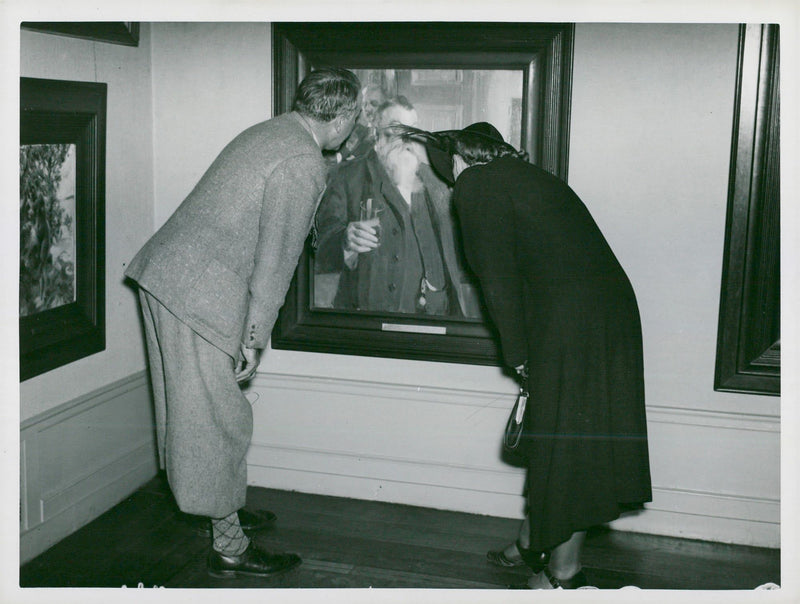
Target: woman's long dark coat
column 561, row 301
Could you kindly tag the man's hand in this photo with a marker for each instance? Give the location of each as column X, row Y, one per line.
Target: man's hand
column 247, row 364
column 361, row 236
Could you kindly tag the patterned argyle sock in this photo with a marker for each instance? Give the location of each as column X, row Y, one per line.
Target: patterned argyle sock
column 229, row 539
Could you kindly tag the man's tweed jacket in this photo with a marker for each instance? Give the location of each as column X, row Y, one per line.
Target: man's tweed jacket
column 223, row 261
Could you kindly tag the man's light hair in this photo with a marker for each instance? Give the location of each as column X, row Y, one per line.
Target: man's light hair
column 327, row 93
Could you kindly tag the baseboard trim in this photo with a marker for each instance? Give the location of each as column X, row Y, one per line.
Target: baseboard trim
column 736, row 520
column 82, row 511
column 56, row 501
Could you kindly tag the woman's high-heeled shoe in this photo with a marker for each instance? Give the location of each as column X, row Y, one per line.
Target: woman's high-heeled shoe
column 574, row 582
column 534, row 560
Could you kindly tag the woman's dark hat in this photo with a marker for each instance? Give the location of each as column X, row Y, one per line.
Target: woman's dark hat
column 484, row 129
column 441, row 146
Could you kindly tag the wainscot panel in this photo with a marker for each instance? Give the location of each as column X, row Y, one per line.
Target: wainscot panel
column 715, row 475
column 82, row 458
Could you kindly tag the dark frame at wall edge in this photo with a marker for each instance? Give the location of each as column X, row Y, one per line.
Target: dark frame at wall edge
column 542, row 50
column 112, row 32
column 56, row 111
column 748, row 339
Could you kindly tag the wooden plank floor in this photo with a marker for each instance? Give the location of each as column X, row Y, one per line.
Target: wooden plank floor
column 349, row 543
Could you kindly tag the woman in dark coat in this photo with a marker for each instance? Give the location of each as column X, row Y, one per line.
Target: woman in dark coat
column 564, row 308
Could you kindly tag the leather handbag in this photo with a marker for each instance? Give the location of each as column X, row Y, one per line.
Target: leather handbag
column 513, row 433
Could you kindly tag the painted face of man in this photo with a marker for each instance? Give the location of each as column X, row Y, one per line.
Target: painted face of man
column 397, row 156
column 373, row 97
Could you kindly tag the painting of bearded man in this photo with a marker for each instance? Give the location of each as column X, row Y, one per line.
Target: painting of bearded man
column 386, row 227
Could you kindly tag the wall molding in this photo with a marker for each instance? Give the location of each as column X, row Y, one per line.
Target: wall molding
column 85, row 402
column 478, row 398
column 283, row 457
column 81, row 458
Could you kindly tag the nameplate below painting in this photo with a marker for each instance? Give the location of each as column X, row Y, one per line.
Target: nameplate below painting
column 434, row 329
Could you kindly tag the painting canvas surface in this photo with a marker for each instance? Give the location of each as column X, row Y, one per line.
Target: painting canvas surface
column 442, row 99
column 47, row 227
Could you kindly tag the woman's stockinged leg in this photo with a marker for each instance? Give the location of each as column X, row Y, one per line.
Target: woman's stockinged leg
column 524, row 540
column 565, row 559
column 524, row 533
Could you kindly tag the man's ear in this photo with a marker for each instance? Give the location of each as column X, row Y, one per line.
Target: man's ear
column 338, row 123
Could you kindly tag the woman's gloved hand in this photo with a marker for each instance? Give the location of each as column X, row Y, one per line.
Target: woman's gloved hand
column 522, row 376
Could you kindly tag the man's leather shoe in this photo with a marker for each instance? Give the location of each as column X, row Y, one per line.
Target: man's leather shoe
column 250, row 521
column 253, row 562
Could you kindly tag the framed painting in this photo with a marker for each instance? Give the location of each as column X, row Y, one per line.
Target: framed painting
column 438, row 76
column 62, row 223
column 749, row 332
column 113, row 32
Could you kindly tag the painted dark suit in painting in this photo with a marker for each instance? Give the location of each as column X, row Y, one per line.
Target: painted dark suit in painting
column 387, row 279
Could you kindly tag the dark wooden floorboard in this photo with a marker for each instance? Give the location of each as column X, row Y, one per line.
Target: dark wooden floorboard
column 347, row 543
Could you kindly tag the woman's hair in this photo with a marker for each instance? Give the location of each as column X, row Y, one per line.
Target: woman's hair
column 327, row 93
column 476, row 148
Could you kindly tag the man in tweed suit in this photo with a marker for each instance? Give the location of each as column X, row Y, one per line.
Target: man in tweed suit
column 211, row 282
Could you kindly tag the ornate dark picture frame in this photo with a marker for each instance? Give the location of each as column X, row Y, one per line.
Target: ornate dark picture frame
column 62, row 113
column 113, row 32
column 748, row 339
column 543, row 54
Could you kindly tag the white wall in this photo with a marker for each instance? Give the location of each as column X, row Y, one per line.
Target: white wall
column 652, row 111
column 129, row 200
column 210, row 82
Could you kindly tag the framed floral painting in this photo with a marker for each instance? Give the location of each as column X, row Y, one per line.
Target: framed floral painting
column 62, row 223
